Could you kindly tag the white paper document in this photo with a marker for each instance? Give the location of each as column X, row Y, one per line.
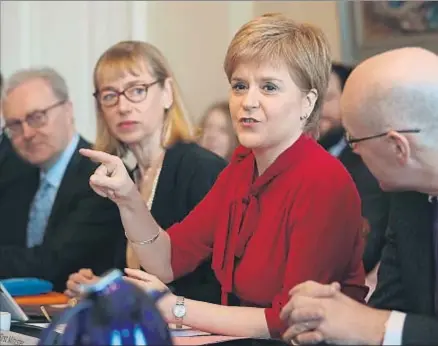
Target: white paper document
column 11, row 338
column 187, row 333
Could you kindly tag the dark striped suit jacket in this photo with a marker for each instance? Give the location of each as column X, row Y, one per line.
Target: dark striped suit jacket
column 406, row 277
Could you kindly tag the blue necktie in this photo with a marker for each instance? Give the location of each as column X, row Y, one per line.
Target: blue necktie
column 39, row 213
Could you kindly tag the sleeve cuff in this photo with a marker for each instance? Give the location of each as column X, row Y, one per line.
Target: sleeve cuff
column 394, row 328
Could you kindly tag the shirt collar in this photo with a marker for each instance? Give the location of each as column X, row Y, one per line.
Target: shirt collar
column 288, row 159
column 432, row 198
column 337, row 149
column 55, row 173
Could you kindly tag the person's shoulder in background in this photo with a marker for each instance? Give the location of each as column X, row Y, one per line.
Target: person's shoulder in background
column 191, row 159
column 12, row 167
column 193, row 151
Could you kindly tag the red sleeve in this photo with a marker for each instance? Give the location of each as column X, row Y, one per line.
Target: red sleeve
column 325, row 244
column 192, row 238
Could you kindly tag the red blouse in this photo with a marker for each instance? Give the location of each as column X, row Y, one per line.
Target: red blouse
column 300, row 220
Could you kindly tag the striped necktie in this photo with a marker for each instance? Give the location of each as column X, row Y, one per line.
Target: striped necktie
column 39, row 213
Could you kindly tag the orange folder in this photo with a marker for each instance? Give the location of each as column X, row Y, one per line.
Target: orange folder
column 51, row 298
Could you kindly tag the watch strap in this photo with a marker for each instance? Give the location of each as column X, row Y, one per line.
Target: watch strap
column 179, row 320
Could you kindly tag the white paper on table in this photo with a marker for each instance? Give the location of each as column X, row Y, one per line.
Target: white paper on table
column 60, row 328
column 12, row 338
column 187, row 333
column 41, row 325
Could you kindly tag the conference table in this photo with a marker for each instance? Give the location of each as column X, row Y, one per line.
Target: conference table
column 179, row 337
column 35, row 331
column 186, row 336
column 224, row 340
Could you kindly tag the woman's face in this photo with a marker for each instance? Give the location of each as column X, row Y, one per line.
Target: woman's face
column 139, row 114
column 268, row 109
column 331, row 112
column 216, row 133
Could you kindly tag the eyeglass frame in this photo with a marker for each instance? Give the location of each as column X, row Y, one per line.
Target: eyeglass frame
column 42, row 112
column 351, row 141
column 123, row 92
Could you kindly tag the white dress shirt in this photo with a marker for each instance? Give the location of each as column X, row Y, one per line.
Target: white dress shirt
column 394, row 328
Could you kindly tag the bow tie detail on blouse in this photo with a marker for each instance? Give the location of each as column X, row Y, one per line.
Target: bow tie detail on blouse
column 245, row 208
column 242, row 223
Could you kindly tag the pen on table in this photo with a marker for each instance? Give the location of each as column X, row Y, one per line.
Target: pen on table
column 72, row 302
column 46, row 315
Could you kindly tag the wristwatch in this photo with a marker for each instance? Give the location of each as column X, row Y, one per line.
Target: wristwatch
column 179, row 311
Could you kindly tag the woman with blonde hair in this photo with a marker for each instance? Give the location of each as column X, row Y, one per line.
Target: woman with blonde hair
column 216, row 130
column 139, row 109
column 272, row 220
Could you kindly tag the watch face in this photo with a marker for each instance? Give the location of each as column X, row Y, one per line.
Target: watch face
column 179, row 311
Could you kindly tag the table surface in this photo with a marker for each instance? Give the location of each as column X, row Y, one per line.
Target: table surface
column 191, row 340
column 203, row 340
column 178, row 340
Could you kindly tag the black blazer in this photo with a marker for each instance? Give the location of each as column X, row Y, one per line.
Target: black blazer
column 6, row 153
column 375, row 206
column 420, row 330
column 187, row 175
column 82, row 229
column 11, row 166
column 5, row 147
column 406, row 277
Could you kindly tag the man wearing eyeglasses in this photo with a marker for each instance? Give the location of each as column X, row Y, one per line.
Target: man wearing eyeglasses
column 52, row 223
column 389, row 109
column 375, row 202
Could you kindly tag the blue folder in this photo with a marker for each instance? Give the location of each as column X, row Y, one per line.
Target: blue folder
column 26, row 286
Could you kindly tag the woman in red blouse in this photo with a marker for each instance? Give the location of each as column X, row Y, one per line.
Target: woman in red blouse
column 284, row 210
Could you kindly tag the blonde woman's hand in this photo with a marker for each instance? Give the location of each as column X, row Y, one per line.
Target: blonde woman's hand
column 145, row 281
column 75, row 280
column 148, row 282
column 110, row 179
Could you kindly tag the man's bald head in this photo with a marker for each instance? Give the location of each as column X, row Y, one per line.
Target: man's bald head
column 389, row 106
column 393, row 90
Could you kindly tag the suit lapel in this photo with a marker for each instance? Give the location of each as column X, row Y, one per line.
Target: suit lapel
column 2, row 152
column 5, row 148
column 67, row 186
column 347, row 157
column 415, row 236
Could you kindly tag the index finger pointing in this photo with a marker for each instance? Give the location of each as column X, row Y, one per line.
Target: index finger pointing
column 99, row 156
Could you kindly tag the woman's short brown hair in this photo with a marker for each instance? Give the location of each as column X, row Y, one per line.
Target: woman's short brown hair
column 276, row 39
column 134, row 57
